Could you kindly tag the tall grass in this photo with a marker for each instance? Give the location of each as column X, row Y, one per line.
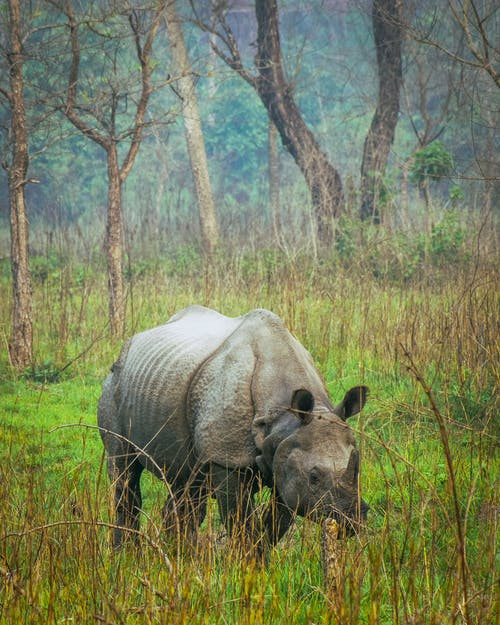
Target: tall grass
column 428, row 347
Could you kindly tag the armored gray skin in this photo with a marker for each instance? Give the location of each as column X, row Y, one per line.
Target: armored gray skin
column 219, row 405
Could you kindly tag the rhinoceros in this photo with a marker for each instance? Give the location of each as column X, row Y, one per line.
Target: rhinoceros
column 223, row 406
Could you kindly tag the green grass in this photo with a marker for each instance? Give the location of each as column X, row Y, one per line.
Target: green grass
column 55, row 562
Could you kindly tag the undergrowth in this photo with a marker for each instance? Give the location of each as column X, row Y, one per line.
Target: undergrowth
column 428, row 348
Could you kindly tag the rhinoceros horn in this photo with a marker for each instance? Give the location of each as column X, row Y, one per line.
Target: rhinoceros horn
column 349, row 479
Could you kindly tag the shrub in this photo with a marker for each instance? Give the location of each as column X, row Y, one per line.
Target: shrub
column 432, row 162
column 447, row 240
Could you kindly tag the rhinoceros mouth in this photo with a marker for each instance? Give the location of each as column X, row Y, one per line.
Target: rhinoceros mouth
column 350, row 522
column 348, row 526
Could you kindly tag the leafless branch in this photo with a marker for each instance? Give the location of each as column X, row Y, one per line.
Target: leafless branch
column 70, row 109
column 144, row 56
column 468, row 18
column 231, row 57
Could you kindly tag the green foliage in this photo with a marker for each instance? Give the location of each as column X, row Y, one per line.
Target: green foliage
column 237, row 144
column 447, row 240
column 469, row 404
column 401, row 256
column 46, row 267
column 456, row 194
column 46, row 373
column 432, row 162
column 5, row 270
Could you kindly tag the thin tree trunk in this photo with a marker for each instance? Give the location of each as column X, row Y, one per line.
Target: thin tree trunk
column 192, row 127
column 117, row 174
column 274, row 178
column 21, row 343
column 321, row 177
column 387, row 31
column 114, row 245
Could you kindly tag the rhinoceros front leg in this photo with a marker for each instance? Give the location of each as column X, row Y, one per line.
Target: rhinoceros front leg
column 125, row 475
column 186, row 507
column 234, row 490
column 277, row 519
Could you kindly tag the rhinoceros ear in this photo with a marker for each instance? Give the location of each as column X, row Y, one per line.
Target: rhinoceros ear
column 354, row 400
column 303, row 404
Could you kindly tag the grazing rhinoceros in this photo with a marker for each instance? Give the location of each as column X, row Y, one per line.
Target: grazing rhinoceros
column 221, row 405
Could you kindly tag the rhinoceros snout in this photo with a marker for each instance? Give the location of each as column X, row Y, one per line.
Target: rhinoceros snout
column 348, row 510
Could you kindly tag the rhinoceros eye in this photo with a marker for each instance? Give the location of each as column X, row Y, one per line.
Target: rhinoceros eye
column 314, row 477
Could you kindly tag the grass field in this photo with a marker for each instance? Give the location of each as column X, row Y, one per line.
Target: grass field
column 427, row 347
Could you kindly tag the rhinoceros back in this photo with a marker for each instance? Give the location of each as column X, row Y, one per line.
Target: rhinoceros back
column 191, row 391
column 151, row 380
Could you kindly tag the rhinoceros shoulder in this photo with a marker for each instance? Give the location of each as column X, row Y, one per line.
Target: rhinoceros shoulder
column 251, row 375
column 262, row 318
column 195, row 311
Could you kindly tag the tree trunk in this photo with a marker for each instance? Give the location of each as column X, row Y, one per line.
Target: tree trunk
column 21, row 343
column 321, row 177
column 192, row 127
column 114, row 245
column 387, row 31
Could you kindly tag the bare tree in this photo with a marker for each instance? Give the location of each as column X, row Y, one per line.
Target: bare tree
column 185, row 87
column 465, row 33
column 276, row 93
column 99, row 123
column 427, row 101
column 21, row 342
column 478, row 23
column 387, row 32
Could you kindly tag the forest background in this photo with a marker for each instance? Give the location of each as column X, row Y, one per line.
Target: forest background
column 447, row 107
column 404, row 299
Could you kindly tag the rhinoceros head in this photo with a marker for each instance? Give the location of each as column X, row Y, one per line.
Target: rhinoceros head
column 314, row 460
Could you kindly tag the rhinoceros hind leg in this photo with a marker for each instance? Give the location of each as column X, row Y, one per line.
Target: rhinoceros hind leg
column 125, row 476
